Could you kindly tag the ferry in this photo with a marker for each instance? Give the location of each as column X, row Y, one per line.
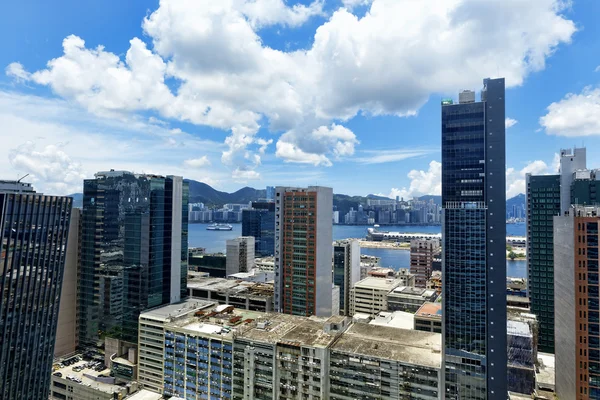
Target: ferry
column 219, row 227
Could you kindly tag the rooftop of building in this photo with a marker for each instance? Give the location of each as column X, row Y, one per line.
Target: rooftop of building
column 430, row 310
column 231, row 286
column 545, row 375
column 395, row 319
column 413, row 291
column 83, row 372
column 145, row 395
column 178, row 310
column 409, row 346
column 518, row 328
column 372, row 282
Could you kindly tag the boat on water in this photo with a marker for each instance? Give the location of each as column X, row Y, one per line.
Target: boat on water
column 219, row 227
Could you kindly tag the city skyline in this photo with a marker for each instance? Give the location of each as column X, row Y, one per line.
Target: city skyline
column 63, row 130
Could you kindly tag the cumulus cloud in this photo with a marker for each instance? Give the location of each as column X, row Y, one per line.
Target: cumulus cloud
column 574, row 115
column 241, row 175
column 421, row 182
column 515, row 179
column 386, row 63
column 17, row 71
column 197, row 162
column 509, row 122
column 51, row 165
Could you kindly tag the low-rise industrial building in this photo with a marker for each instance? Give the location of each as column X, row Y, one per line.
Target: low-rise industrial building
column 370, row 295
column 428, row 318
column 409, row 299
column 240, row 294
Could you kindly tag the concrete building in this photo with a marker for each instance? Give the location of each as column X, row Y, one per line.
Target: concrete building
column 240, row 255
column 407, row 278
column 576, row 327
column 409, row 299
column 370, row 295
column 422, row 254
column 367, row 263
column 34, row 232
column 67, row 338
column 428, row 318
column 346, row 270
column 213, row 264
column 265, row 264
column 151, row 341
column 474, row 245
column 435, row 282
column 571, row 160
column 522, row 354
column 244, row 295
column 303, row 251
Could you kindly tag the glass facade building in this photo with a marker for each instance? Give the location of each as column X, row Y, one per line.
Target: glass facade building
column 259, row 222
column 543, row 203
column 133, row 251
column 346, row 270
column 34, row 230
column 474, row 236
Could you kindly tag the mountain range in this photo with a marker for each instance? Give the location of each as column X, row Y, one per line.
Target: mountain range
column 202, row 193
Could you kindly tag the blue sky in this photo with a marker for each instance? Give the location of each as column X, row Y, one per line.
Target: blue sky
column 343, row 93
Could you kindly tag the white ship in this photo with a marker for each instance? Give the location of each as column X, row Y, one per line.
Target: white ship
column 219, row 227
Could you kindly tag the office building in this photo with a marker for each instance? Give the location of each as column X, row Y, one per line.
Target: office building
column 66, row 332
column 213, row 264
column 585, row 187
column 221, row 352
column 346, row 270
column 34, row 233
column 270, row 193
column 133, row 251
column 303, row 251
column 422, row 254
column 543, row 203
column 428, row 318
column 409, row 299
column 240, row 255
column 474, row 245
column 571, row 160
column 577, row 331
column 370, row 295
column 259, row 222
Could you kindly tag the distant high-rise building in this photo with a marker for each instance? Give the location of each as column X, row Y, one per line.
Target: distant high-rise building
column 585, row 188
column 570, row 161
column 346, row 270
column 474, row 237
column 422, row 253
column 577, row 332
column 34, row 230
column 303, row 251
column 259, row 222
column 240, row 255
column 543, row 203
column 270, row 193
column 133, row 251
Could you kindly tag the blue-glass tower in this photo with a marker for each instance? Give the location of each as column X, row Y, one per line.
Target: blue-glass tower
column 259, row 222
column 474, row 249
column 34, row 230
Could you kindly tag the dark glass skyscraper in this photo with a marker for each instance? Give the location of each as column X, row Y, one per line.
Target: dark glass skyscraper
column 543, row 203
column 133, row 251
column 34, row 232
column 474, row 237
column 259, row 222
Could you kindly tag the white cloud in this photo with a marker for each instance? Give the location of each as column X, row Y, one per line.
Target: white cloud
column 245, row 175
column 574, row 115
column 388, row 62
column 515, row 179
column 355, row 3
column 17, row 71
column 421, row 182
column 509, row 122
column 385, row 156
column 197, row 162
column 597, row 69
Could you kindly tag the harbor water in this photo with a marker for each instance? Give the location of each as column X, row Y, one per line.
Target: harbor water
column 214, row 242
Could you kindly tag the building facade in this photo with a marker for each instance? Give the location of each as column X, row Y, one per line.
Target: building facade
column 422, row 254
column 543, row 203
column 133, row 251
column 34, row 230
column 346, row 270
column 571, row 160
column 259, row 222
column 370, row 295
column 577, row 326
column 240, row 255
column 303, row 251
column 474, row 237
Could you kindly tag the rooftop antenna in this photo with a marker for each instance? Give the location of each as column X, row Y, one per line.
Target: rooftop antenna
column 23, row 177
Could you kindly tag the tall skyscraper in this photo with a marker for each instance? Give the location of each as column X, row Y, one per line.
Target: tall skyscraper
column 543, row 203
column 270, row 193
column 570, row 161
column 346, row 270
column 259, row 222
column 34, row 230
column 577, row 332
column 303, row 251
column 422, row 253
column 133, row 251
column 474, row 237
column 240, row 255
